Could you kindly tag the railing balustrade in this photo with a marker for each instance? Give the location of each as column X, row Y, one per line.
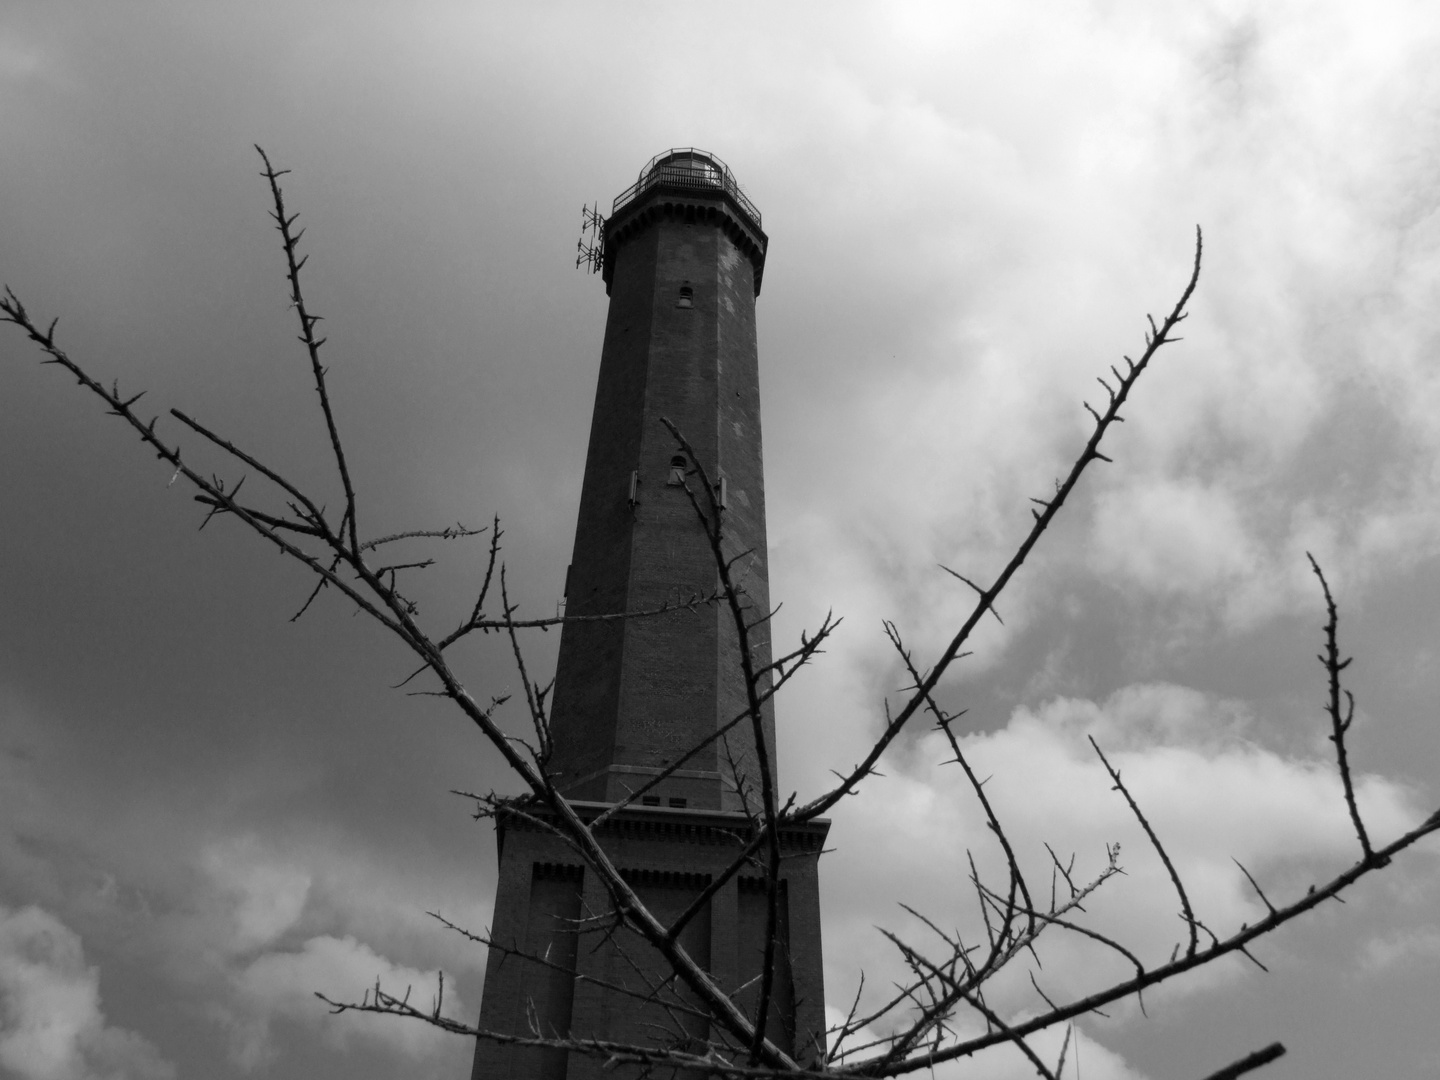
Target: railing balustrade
column 687, row 168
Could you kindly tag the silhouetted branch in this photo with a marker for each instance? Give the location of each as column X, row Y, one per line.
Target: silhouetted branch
column 1163, row 973
column 1249, row 1063
column 1187, row 913
column 711, row 518
column 307, row 336
column 1340, row 719
column 915, row 1025
column 1158, row 337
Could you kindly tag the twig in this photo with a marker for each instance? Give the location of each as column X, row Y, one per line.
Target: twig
column 307, row 336
column 1249, row 1062
column 1339, row 720
column 1187, row 913
column 1159, row 336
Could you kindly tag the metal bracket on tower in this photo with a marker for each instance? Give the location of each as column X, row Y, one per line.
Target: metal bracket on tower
column 590, row 248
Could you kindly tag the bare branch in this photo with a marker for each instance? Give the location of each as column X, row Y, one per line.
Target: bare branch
column 711, row 518
column 1249, row 1063
column 1187, row 913
column 397, row 615
column 11, row 310
column 1340, row 720
column 307, row 336
column 450, row 532
column 920, row 1013
column 1255, row 885
column 1158, row 337
column 313, row 516
column 1313, row 898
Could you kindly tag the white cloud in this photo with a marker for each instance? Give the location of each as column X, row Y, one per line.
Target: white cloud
column 1083, row 1055
column 281, row 986
column 290, row 920
column 1173, row 536
column 1211, row 795
column 245, row 927
column 51, row 1023
column 1049, row 232
column 1419, row 945
column 267, row 894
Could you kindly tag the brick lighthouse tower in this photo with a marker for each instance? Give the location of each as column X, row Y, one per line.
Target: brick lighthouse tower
column 682, row 259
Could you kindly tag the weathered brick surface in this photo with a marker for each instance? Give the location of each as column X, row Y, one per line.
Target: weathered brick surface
column 669, row 856
column 635, row 695
column 631, row 696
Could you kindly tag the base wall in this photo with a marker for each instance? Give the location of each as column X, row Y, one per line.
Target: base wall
column 594, row 984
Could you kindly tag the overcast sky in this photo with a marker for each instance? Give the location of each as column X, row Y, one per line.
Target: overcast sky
column 207, row 812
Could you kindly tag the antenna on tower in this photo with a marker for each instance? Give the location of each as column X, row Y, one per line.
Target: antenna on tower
column 590, row 248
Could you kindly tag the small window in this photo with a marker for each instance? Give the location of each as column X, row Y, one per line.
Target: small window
column 687, row 297
column 678, row 804
column 677, row 470
column 649, row 800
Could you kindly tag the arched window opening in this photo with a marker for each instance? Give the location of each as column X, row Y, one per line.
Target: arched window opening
column 677, row 470
column 687, row 297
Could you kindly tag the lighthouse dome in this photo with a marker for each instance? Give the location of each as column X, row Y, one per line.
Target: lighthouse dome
column 685, row 166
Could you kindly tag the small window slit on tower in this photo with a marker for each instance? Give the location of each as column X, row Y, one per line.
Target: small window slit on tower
column 677, row 470
column 687, row 297
column 634, row 488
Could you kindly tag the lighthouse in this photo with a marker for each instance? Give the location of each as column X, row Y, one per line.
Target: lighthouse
column 646, row 704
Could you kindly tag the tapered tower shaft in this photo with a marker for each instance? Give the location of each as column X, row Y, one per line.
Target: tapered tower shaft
column 683, row 257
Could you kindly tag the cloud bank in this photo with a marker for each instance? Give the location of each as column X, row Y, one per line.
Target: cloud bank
column 51, row 1023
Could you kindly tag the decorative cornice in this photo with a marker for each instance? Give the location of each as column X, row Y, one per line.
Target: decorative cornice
column 642, row 876
column 662, row 202
column 666, row 825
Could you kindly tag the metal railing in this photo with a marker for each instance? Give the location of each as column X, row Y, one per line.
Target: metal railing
column 687, row 167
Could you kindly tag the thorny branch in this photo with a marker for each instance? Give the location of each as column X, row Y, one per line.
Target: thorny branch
column 1186, row 912
column 916, row 1027
column 1340, row 718
column 368, row 589
column 711, row 518
column 1155, row 339
column 308, row 322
